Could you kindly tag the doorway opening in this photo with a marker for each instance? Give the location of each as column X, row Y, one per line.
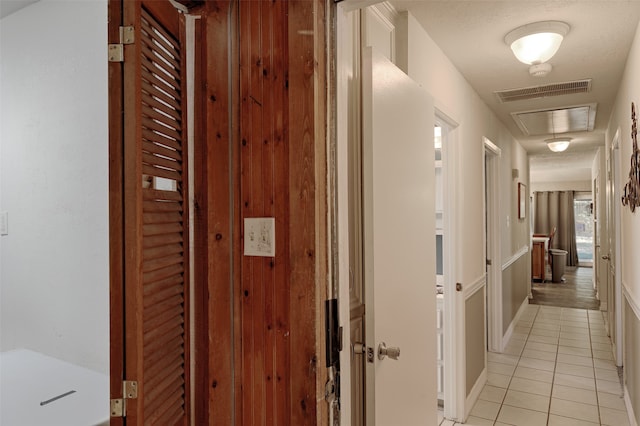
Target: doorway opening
column 583, row 213
column 440, row 135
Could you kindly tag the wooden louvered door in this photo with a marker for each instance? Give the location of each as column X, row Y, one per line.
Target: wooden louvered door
column 154, row 227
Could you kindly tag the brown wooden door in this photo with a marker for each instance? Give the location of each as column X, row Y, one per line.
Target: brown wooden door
column 148, row 219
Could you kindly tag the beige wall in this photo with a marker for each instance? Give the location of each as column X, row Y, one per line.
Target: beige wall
column 515, row 289
column 475, row 339
column 620, row 120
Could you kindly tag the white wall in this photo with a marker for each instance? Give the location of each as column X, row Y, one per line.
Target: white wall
column 628, row 92
column 453, row 95
column 54, row 290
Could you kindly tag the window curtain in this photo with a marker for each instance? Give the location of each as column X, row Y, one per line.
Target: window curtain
column 555, row 208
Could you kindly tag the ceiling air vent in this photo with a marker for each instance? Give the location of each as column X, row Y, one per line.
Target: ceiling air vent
column 555, row 89
column 578, row 118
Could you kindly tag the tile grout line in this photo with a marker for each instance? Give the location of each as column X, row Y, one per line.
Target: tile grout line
column 555, row 365
column 595, row 377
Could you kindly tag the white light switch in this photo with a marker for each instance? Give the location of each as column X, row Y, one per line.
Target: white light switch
column 260, row 236
column 4, row 223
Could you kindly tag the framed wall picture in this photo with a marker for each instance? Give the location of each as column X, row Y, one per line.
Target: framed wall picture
column 522, row 200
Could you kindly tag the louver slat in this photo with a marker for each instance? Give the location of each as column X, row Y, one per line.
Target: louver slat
column 161, row 290
column 154, row 194
column 159, row 128
column 160, row 113
column 161, row 274
column 159, row 240
column 150, row 136
column 158, row 314
column 160, row 88
column 159, row 206
column 156, row 160
column 170, row 217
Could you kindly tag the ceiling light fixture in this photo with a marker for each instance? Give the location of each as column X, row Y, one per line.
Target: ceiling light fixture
column 557, row 144
column 534, row 44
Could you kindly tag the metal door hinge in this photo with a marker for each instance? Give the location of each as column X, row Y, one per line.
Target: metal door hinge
column 116, row 50
column 119, row 405
column 116, row 53
column 127, row 35
column 117, row 408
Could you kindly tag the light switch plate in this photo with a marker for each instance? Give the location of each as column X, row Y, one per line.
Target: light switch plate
column 4, row 223
column 260, row 236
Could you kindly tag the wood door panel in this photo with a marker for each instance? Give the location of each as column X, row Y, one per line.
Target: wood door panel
column 154, row 224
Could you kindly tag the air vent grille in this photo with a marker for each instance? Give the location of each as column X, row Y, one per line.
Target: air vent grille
column 555, row 89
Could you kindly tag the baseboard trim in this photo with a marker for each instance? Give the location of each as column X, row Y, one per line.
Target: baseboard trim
column 473, row 396
column 630, row 412
column 507, row 335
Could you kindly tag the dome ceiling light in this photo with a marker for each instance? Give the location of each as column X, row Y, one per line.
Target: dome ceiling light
column 558, row 144
column 534, row 44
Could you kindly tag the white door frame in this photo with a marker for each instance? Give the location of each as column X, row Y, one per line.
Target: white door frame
column 347, row 17
column 614, row 177
column 491, row 168
column 453, row 304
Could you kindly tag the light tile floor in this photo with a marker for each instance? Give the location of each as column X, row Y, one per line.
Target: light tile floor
column 557, row 370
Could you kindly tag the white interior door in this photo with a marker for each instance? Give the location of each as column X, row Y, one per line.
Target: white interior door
column 399, row 244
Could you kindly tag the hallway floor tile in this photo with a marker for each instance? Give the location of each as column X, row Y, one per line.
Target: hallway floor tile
column 558, row 372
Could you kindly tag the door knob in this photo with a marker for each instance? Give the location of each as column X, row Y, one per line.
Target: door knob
column 606, row 257
column 391, row 352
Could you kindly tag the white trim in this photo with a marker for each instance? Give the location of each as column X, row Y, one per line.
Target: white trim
column 507, row 335
column 475, row 393
column 388, row 11
column 453, row 303
column 474, row 287
column 377, row 12
column 630, row 413
column 629, row 296
column 513, row 259
column 351, row 5
column 490, row 146
column 346, row 25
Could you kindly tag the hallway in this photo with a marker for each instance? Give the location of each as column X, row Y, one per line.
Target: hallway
column 557, row 370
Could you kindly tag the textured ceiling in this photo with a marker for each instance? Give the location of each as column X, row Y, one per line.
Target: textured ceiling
column 471, row 34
